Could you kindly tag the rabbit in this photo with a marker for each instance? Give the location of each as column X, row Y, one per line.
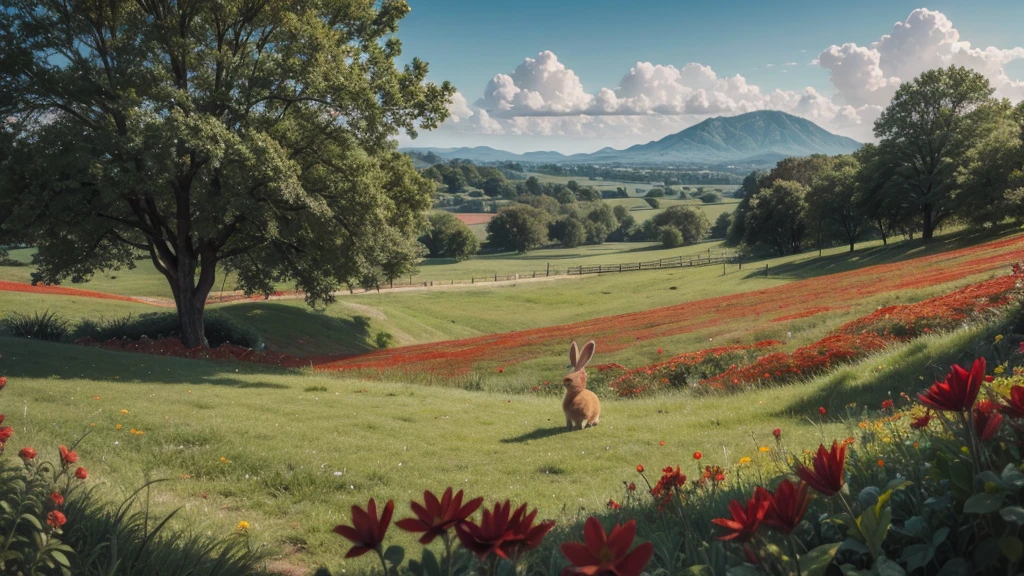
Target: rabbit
column 581, row 406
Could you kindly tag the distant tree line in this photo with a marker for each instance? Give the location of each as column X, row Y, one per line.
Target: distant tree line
column 667, row 176
column 948, row 151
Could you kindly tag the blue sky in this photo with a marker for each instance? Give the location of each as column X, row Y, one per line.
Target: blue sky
column 598, row 41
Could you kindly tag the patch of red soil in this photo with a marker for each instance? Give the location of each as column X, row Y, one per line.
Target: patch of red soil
column 6, row 286
column 470, row 219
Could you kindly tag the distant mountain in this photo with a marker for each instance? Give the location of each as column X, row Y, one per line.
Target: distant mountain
column 755, row 138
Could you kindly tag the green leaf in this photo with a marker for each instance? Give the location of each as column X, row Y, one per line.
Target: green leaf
column 886, row 567
column 1013, row 477
column 898, row 484
column 60, row 558
column 1013, row 514
column 983, row 503
column 395, row 555
column 956, row 567
column 743, row 570
column 940, row 536
column 816, row 561
column 916, row 526
column 917, row 555
column 32, row 520
column 699, row 570
column 986, row 553
column 1012, row 547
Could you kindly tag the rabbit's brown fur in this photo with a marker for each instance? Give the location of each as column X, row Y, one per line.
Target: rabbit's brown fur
column 581, row 406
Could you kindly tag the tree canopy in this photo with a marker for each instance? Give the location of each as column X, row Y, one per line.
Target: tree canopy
column 253, row 133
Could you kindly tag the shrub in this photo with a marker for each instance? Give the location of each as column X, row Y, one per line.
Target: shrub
column 518, row 228
column 220, row 329
column 383, row 340
column 671, row 237
column 653, row 203
column 449, row 237
column 46, row 325
column 476, row 194
column 569, row 232
column 692, row 224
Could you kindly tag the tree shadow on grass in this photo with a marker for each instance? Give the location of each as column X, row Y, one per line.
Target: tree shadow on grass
column 21, row 358
column 538, row 434
column 294, row 328
column 814, row 266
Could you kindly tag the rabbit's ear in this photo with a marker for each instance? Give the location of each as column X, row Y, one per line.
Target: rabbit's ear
column 573, row 354
column 585, row 355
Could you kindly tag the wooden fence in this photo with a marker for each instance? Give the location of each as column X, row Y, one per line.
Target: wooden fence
column 677, row 262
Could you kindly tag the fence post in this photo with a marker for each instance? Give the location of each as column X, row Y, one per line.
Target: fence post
column 723, row 267
column 549, row 269
column 766, row 270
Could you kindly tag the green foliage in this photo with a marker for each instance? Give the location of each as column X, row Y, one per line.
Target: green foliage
column 568, row 231
column 518, row 228
column 653, row 203
column 449, row 237
column 833, row 203
column 777, row 217
column 691, row 223
column 992, row 166
column 220, row 328
column 655, row 193
column 383, row 340
column 927, row 131
column 45, row 325
column 721, row 227
column 187, row 132
column 670, row 237
column 709, row 197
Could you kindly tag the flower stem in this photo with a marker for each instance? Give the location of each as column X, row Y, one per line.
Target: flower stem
column 792, row 551
column 380, row 554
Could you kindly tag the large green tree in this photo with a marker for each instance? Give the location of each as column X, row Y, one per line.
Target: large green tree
column 518, row 228
column 255, row 133
column 928, row 128
column 832, row 200
column 777, row 217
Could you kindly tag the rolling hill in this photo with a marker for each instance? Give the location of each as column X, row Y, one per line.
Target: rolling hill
column 758, row 138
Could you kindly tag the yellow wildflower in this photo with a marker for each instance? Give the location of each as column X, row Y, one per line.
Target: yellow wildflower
column 123, row 411
column 965, row 449
column 224, row 460
column 745, row 460
column 117, row 426
column 999, row 369
column 764, row 449
column 243, row 526
column 998, row 338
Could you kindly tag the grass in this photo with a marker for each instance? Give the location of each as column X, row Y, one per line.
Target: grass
column 301, row 448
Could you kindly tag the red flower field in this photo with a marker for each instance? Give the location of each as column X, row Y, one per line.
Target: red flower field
column 733, row 315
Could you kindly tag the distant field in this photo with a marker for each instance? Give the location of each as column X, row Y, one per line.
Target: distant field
column 470, row 219
column 629, row 186
column 642, row 211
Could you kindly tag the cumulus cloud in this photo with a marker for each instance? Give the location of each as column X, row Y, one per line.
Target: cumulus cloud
column 544, row 97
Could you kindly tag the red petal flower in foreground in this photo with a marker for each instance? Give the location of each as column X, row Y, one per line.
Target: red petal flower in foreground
column 787, row 506
column 921, row 421
column 827, row 475
column 434, row 517
column 56, row 519
column 777, row 432
column 5, row 433
column 697, row 455
column 367, row 530
column 1014, row 407
column 68, row 456
column 986, row 420
column 3, row 379
column 745, row 521
column 822, row 411
column 27, row 453
column 501, row 532
column 81, row 474
column 958, row 392
column 606, row 553
column 58, row 498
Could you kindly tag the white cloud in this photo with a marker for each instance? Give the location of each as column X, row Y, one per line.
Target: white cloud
column 543, row 97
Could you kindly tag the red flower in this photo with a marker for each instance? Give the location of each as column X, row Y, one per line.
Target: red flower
column 697, row 455
column 670, row 478
column 821, row 410
column 631, row 487
column 777, row 432
column 887, row 405
column 662, row 443
column 5, row 433
column 613, row 504
column 660, row 350
column 2, row 418
column 921, row 421
column 56, row 519
column 3, row 379
column 28, row 453
column 606, row 553
column 990, row 378
column 434, row 517
column 958, row 392
column 68, row 456
column 57, row 498
column 367, row 530
column 502, row 533
column 787, row 506
column 827, row 475
column 640, row 468
column 986, row 420
column 1014, row 407
column 81, row 474
column 744, row 522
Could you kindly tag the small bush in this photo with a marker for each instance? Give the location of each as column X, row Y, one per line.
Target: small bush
column 383, row 340
column 220, row 329
column 671, row 237
column 46, row 325
column 653, row 202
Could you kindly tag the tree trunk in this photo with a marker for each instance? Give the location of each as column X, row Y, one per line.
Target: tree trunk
column 851, row 245
column 928, row 227
column 190, row 300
